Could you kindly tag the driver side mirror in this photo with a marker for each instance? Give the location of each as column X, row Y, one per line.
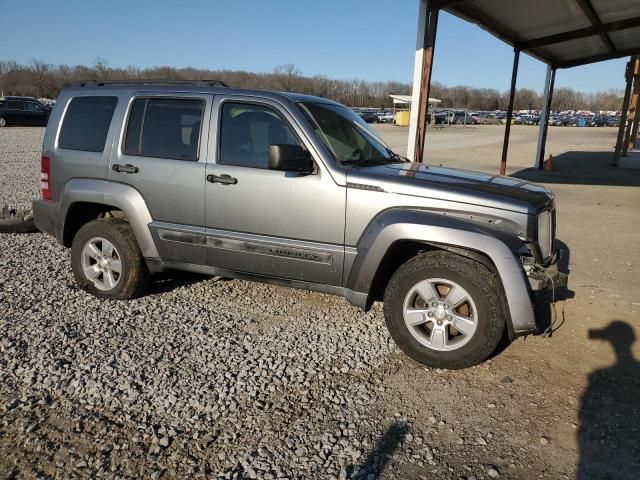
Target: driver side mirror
column 290, row 158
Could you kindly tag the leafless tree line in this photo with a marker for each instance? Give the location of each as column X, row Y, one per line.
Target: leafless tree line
column 564, row 98
column 40, row 79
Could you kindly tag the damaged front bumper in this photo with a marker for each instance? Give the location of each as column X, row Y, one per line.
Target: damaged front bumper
column 546, row 277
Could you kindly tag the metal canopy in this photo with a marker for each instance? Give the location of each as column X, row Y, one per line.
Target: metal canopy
column 561, row 33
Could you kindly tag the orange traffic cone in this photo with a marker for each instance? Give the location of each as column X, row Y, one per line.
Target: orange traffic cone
column 548, row 163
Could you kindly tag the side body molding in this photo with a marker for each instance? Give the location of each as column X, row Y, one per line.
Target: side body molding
column 122, row 196
column 422, row 226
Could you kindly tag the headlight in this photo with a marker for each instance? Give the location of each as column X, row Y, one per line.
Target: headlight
column 545, row 233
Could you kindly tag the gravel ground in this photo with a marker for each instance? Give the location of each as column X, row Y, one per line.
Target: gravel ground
column 201, row 376
column 20, row 150
column 209, row 378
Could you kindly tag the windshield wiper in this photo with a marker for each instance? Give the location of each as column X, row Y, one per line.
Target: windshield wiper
column 368, row 161
column 396, row 156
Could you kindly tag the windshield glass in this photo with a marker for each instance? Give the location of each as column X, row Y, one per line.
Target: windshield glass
column 347, row 136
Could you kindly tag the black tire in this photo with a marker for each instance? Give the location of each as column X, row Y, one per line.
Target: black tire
column 3, row 122
column 476, row 279
column 135, row 276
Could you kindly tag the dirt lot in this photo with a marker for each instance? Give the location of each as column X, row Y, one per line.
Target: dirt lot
column 229, row 379
column 587, row 393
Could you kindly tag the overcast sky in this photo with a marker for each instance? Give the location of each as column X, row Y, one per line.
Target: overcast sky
column 368, row 39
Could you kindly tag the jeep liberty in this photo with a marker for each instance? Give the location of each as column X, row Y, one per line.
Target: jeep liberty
column 285, row 188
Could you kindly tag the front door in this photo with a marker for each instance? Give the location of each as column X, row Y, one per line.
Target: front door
column 273, row 223
column 35, row 113
column 162, row 154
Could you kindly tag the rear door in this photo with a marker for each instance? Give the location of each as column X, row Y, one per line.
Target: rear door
column 162, row 154
column 15, row 112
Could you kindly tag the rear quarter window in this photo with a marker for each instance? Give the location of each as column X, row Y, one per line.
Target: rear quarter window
column 86, row 123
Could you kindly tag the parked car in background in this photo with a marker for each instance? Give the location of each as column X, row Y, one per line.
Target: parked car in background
column 605, row 121
column 515, row 120
column 369, row 117
column 557, row 121
column 580, row 122
column 438, row 117
column 386, row 117
column 23, row 111
column 613, row 121
column 461, row 118
column 484, row 118
column 528, row 119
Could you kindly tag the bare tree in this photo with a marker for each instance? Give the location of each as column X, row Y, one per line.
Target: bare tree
column 41, row 79
column 286, row 75
column 41, row 70
column 101, row 67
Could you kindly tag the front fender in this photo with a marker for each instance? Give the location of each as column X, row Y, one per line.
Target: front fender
column 428, row 227
column 123, row 197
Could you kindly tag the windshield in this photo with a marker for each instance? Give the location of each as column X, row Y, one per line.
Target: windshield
column 347, row 136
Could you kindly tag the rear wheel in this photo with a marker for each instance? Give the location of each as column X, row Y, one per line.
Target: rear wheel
column 444, row 310
column 107, row 261
column 3, row 122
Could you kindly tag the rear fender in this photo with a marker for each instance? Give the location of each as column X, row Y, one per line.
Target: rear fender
column 118, row 195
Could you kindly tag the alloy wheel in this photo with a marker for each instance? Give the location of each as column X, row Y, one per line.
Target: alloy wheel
column 101, row 263
column 440, row 314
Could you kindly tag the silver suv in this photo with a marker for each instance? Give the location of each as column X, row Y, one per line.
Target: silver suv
column 141, row 177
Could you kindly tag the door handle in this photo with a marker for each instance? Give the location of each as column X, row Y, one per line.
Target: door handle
column 224, row 179
column 128, row 168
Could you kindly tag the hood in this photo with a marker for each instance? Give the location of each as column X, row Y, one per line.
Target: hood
column 463, row 186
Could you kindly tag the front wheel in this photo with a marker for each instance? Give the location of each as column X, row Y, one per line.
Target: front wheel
column 444, row 310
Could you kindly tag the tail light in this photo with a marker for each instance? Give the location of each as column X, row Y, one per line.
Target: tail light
column 45, row 177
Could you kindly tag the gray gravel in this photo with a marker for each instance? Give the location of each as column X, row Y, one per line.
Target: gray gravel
column 20, row 150
column 205, row 377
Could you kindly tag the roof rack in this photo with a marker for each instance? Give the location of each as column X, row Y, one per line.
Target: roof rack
column 102, row 83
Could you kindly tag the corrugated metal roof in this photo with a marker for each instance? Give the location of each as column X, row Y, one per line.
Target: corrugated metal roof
column 612, row 10
column 574, row 49
column 581, row 31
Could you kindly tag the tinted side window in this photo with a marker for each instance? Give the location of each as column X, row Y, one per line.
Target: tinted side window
column 33, row 107
column 246, row 132
column 164, row 128
column 15, row 104
column 86, row 123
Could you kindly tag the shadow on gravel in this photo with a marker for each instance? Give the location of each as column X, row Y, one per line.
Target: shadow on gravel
column 609, row 435
column 382, row 452
column 169, row 281
column 583, row 168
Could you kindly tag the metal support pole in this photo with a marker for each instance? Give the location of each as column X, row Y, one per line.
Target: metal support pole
column 631, row 115
column 625, row 110
column 427, row 25
column 633, row 105
column 512, row 94
column 544, row 116
column 634, row 132
column 423, row 22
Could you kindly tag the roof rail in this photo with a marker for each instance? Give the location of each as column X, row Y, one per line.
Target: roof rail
column 102, row 83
